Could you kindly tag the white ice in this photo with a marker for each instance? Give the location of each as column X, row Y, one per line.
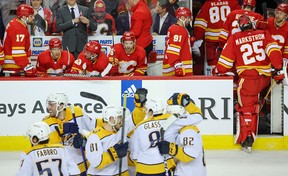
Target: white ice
column 219, row 163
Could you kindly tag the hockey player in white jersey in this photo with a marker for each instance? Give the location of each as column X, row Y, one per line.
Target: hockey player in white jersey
column 43, row 158
column 186, row 146
column 144, row 150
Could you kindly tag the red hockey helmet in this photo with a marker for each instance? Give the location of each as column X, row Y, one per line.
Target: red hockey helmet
column 55, row 43
column 128, row 36
column 245, row 23
column 99, row 6
column 183, row 11
column 93, row 47
column 249, row 2
column 24, row 10
column 283, row 7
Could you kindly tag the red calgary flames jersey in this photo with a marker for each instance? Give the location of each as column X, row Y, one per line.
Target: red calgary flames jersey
column 252, row 50
column 45, row 61
column 280, row 35
column 231, row 26
column 82, row 64
column 129, row 64
column 178, row 49
column 211, row 17
column 1, row 54
column 16, row 46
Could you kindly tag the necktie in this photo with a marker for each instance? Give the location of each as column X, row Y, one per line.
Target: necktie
column 72, row 13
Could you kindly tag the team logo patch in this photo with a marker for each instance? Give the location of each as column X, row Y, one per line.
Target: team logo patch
column 37, row 42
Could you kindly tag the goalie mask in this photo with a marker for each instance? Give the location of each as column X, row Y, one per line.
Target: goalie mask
column 112, row 115
column 58, row 98
column 38, row 132
column 153, row 108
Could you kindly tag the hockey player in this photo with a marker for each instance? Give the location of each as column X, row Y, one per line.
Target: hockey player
column 147, row 135
column 253, row 53
column 208, row 24
column 43, row 19
column 55, row 60
column 43, row 158
column 186, row 146
column 178, row 57
column 62, row 126
column 127, row 58
column 1, row 56
column 230, row 26
column 105, row 22
column 92, row 61
column 17, row 42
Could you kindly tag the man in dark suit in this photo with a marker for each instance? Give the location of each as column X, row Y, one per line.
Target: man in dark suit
column 73, row 20
column 123, row 20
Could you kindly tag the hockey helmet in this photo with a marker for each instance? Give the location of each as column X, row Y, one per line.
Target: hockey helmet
column 183, row 11
column 245, row 23
column 24, row 10
column 55, row 43
column 156, row 106
column 40, row 130
column 175, row 109
column 128, row 36
column 99, row 6
column 93, row 47
column 249, row 2
column 114, row 112
column 58, row 98
column 283, row 7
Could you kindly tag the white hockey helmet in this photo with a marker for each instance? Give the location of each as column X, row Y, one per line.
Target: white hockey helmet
column 156, row 106
column 58, row 98
column 40, row 130
column 175, row 109
column 114, row 112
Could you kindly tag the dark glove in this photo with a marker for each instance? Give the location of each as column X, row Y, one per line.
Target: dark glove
column 167, row 148
column 278, row 76
column 119, row 150
column 179, row 69
column 140, row 97
column 179, row 99
column 79, row 141
column 68, row 128
column 30, row 71
column 83, row 174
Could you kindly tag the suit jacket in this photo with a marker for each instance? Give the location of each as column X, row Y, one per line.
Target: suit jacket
column 74, row 36
column 122, row 23
column 167, row 23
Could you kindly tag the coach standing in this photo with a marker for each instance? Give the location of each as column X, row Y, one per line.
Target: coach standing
column 73, row 20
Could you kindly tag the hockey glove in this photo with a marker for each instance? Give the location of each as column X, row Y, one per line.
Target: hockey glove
column 140, row 97
column 30, row 71
column 179, row 99
column 278, row 76
column 167, row 148
column 79, row 141
column 179, row 69
column 119, row 150
column 215, row 71
column 68, row 128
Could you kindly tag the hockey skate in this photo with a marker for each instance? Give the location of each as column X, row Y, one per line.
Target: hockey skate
column 247, row 144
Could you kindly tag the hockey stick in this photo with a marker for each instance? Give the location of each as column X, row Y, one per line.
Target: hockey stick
column 40, row 74
column 264, row 10
column 267, row 94
column 164, row 127
column 123, row 129
column 81, row 147
column 93, row 97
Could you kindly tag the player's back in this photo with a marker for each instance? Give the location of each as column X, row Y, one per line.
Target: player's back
column 44, row 159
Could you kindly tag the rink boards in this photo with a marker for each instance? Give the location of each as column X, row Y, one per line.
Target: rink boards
column 23, row 101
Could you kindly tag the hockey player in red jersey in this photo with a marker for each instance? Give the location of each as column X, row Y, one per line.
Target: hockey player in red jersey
column 55, row 60
column 230, row 26
column 178, row 57
column 1, row 56
column 105, row 22
column 208, row 24
column 17, row 42
column 128, row 58
column 253, row 53
column 92, row 61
